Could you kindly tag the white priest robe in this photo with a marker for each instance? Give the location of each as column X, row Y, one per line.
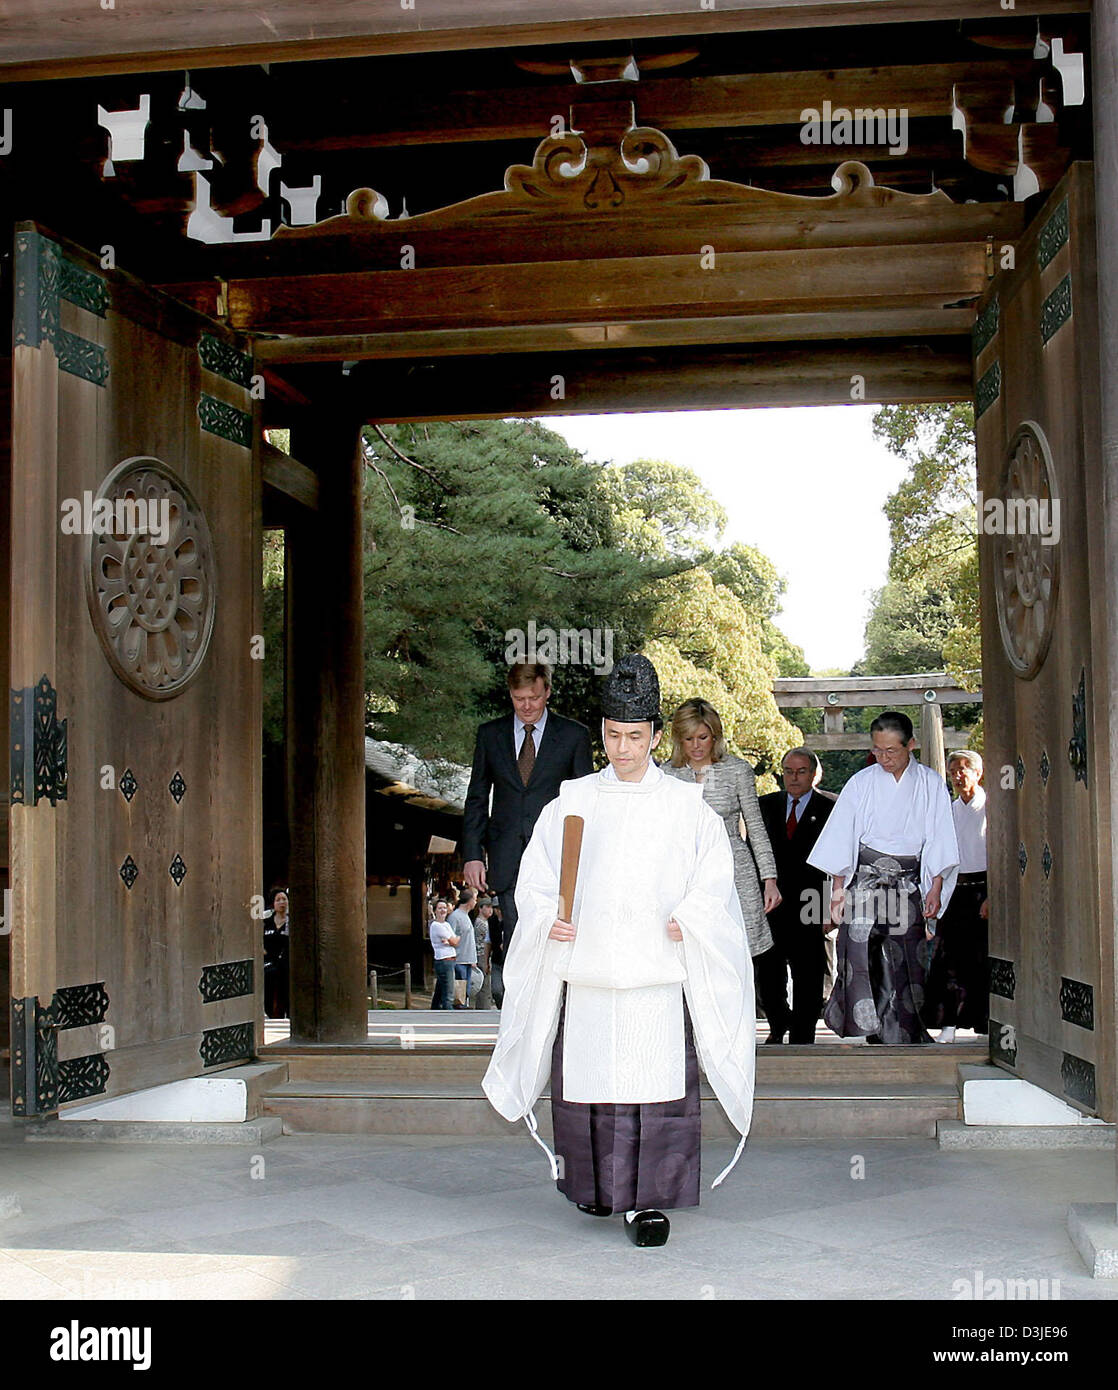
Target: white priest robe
column 907, row 815
column 651, row 850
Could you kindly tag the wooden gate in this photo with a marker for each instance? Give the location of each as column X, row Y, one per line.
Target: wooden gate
column 1040, row 471
column 135, row 699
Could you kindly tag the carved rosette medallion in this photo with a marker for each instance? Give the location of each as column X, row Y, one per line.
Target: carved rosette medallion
column 151, row 580
column 1027, row 562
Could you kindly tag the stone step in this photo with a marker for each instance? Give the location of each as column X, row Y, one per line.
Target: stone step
column 255, row 1132
column 870, row 1110
column 820, row 1064
column 955, row 1134
column 229, row 1096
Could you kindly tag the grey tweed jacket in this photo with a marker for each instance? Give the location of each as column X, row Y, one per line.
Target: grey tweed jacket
column 730, row 789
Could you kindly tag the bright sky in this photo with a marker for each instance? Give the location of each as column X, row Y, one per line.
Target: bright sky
column 806, row 486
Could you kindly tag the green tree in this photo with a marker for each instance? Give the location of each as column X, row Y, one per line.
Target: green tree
column 273, row 606
column 713, row 610
column 753, row 577
column 705, row 642
column 906, row 630
column 474, row 530
column 662, row 509
column 933, row 525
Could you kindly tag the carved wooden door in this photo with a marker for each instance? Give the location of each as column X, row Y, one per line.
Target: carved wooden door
column 1040, row 474
column 135, row 700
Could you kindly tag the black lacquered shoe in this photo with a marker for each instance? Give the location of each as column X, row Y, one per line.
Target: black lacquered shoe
column 875, row 1038
column 593, row 1209
column 647, row 1227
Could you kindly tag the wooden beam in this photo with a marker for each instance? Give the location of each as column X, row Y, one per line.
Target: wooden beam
column 795, row 692
column 861, row 699
column 592, row 383
column 783, row 224
column 288, row 476
column 742, row 328
column 615, row 290
column 823, row 743
column 52, row 38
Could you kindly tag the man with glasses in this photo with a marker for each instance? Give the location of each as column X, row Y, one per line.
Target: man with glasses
column 889, row 846
column 794, row 819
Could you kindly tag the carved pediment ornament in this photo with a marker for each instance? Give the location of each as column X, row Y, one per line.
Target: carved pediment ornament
column 581, row 173
column 570, row 172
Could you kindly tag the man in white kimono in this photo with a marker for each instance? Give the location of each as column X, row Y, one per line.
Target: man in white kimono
column 891, row 840
column 650, row 977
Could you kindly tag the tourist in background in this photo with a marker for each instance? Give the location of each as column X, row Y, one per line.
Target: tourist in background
column 958, row 986
column 496, row 953
column 465, row 952
column 443, row 943
column 277, row 955
column 482, row 917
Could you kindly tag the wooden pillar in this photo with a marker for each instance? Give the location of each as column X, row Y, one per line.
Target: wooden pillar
column 5, row 605
column 1104, row 81
column 931, row 738
column 326, row 743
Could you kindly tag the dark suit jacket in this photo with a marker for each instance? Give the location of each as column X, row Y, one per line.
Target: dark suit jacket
column 793, row 873
column 502, row 834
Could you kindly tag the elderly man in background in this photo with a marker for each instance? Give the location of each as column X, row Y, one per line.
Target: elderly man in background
column 794, row 819
column 958, row 986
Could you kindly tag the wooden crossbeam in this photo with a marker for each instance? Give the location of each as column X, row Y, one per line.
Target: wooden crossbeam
column 796, row 692
column 796, row 224
column 821, row 743
column 648, row 333
column 288, row 477
column 861, row 699
column 615, row 290
column 53, row 38
column 598, row 383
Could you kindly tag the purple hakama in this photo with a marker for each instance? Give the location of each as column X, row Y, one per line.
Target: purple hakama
column 629, row 1157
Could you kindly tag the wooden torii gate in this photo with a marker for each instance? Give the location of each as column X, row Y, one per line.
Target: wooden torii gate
column 834, row 695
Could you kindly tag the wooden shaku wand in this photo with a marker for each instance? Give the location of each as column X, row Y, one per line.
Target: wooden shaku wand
column 568, row 873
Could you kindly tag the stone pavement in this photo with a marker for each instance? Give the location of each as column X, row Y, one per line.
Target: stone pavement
column 349, row 1216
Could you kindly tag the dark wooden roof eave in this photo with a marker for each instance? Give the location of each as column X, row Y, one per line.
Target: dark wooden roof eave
column 47, row 39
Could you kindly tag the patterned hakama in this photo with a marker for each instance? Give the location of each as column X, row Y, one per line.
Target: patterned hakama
column 881, row 953
column 628, row 1157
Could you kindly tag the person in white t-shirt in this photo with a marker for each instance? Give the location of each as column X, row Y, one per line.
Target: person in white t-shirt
column 957, row 993
column 443, row 943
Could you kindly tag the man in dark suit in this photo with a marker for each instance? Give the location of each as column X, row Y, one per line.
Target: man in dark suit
column 521, row 757
column 794, row 818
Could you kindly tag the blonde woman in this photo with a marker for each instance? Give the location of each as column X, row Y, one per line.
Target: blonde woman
column 699, row 755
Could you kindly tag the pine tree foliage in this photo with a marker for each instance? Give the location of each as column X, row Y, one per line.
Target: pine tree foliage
column 476, row 531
